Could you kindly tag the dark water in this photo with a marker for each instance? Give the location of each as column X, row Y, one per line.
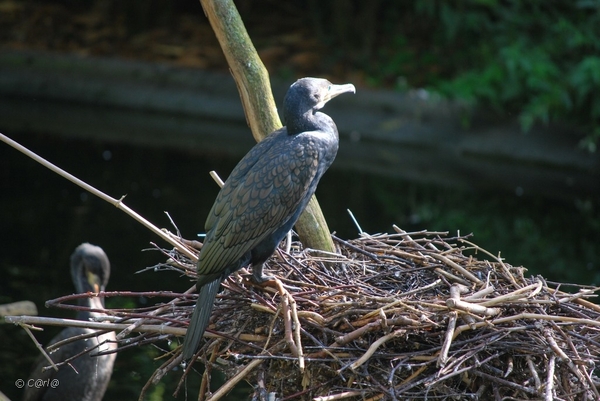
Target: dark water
column 44, row 217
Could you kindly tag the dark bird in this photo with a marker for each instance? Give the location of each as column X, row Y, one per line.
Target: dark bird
column 265, row 194
column 85, row 377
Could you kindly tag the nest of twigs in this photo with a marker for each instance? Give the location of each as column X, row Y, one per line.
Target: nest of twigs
column 415, row 316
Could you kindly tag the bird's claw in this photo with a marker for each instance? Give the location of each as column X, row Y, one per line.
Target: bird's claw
column 261, row 279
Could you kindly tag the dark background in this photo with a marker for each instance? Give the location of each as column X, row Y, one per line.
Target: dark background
column 378, row 44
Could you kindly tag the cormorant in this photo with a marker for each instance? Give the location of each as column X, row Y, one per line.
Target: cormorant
column 88, row 376
column 265, row 194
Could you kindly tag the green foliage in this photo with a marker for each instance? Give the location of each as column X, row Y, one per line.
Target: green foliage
column 533, row 58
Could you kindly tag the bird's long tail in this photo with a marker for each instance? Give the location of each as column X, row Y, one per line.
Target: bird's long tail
column 200, row 317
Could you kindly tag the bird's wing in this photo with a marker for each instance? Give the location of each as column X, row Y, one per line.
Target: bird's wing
column 32, row 393
column 262, row 193
column 239, row 174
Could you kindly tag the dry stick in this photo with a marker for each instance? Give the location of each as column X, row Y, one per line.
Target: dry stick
column 476, row 309
column 580, row 294
column 118, row 203
column 405, row 236
column 290, row 312
column 356, row 248
column 365, row 357
column 353, row 335
column 395, row 252
column 217, row 179
column 150, row 328
column 498, row 259
column 572, row 365
column 38, row 345
column 166, row 367
column 50, row 348
column 532, row 369
column 204, row 384
column 124, row 333
column 480, row 294
column 96, row 347
column 457, row 267
column 158, row 372
column 450, row 276
column 514, row 295
column 582, row 302
column 564, row 357
column 339, row 396
column 297, row 337
column 229, row 384
column 504, row 382
column 530, row 316
column 397, row 302
column 550, row 379
column 414, row 375
column 555, row 347
column 443, row 355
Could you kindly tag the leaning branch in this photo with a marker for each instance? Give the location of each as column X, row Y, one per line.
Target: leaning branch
column 118, row 203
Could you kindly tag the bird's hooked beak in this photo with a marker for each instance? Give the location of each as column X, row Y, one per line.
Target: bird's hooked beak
column 330, row 91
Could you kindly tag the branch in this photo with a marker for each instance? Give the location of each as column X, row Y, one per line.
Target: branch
column 49, row 321
column 118, row 203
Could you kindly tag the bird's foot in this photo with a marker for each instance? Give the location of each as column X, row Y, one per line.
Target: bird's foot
column 258, row 277
column 262, row 278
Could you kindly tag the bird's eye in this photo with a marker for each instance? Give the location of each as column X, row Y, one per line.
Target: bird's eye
column 329, row 88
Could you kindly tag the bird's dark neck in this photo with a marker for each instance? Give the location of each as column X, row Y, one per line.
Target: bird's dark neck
column 310, row 121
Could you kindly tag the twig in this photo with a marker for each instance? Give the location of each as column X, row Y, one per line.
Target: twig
column 339, row 396
column 550, row 379
column 217, row 179
column 230, row 384
column 443, row 356
column 451, row 276
column 353, row 335
column 514, row 295
column 37, row 344
column 289, row 313
column 204, row 385
column 118, row 203
column 498, row 259
column 456, row 267
column 48, row 321
column 360, row 231
column 528, row 316
column 356, row 248
column 365, row 357
column 533, row 370
column 504, row 382
column 464, row 306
